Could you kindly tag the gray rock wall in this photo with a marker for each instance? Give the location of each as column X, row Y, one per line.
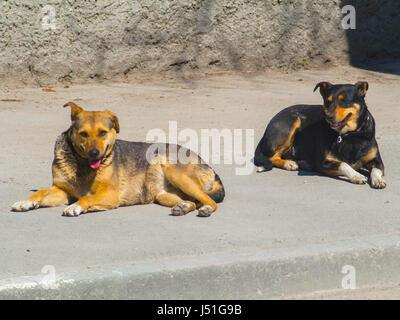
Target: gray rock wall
column 109, row 39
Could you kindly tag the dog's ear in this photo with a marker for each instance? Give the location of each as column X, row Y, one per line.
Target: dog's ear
column 114, row 120
column 362, row 87
column 323, row 87
column 75, row 110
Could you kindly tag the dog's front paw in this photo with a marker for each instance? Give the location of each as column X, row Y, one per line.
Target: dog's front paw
column 358, row 179
column 205, row 211
column 73, row 210
column 378, row 183
column 290, row 165
column 180, row 209
column 24, row 205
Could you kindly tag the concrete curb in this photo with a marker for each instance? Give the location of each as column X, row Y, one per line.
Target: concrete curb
column 251, row 274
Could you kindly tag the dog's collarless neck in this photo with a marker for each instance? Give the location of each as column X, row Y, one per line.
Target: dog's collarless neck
column 71, row 146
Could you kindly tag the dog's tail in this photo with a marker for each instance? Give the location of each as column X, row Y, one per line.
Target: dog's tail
column 219, row 193
column 261, row 160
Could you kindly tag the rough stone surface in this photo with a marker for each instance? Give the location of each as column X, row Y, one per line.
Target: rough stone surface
column 104, row 40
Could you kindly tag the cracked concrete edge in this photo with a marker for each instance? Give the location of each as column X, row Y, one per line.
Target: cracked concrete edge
column 245, row 274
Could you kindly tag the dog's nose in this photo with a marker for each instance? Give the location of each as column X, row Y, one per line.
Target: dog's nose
column 94, row 153
column 330, row 117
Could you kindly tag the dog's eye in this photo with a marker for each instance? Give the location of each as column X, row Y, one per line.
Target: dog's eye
column 102, row 133
column 83, row 134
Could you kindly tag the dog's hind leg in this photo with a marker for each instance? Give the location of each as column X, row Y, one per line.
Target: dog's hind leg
column 261, row 161
column 51, row 197
column 165, row 194
column 282, row 148
column 179, row 207
column 192, row 187
column 284, row 164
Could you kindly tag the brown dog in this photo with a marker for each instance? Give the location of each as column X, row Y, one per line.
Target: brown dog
column 101, row 172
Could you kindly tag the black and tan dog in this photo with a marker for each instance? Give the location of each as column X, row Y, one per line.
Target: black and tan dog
column 335, row 139
column 99, row 172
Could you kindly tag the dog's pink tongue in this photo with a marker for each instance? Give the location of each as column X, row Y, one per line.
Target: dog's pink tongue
column 94, row 164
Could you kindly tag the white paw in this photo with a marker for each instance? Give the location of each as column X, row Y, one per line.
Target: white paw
column 359, row 179
column 180, row 209
column 73, row 210
column 205, row 211
column 261, row 169
column 376, row 179
column 24, row 205
column 378, row 183
column 290, row 165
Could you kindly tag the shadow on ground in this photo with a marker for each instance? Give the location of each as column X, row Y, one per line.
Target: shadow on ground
column 375, row 42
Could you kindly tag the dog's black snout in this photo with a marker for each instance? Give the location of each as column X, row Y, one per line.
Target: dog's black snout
column 330, row 117
column 94, row 153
